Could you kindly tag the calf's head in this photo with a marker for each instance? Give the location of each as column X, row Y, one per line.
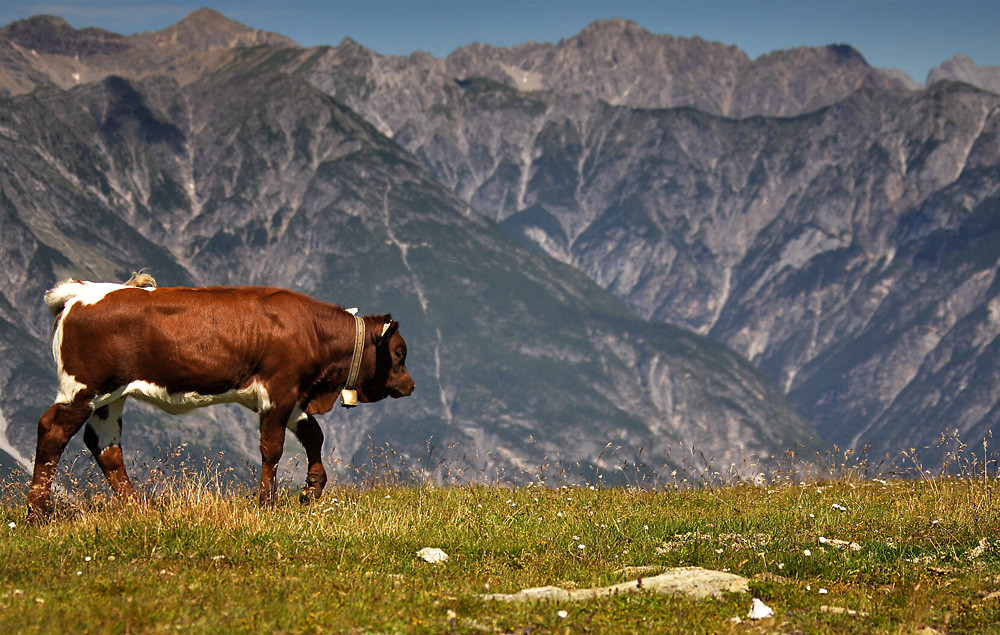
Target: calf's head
column 390, row 379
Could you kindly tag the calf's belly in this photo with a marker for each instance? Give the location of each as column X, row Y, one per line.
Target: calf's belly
column 254, row 397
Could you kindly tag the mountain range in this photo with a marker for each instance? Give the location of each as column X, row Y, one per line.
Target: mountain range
column 623, row 248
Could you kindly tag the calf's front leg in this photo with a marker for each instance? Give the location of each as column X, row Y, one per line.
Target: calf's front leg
column 310, row 435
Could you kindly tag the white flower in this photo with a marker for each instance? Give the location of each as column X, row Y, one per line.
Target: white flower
column 581, row 546
column 12, row 524
column 822, row 540
column 822, row 591
column 86, row 559
column 563, row 614
column 807, row 552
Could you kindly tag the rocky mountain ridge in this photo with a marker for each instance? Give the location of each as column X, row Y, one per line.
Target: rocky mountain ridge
column 821, row 217
column 250, row 177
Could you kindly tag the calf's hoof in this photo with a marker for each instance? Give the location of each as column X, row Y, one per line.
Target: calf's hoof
column 37, row 515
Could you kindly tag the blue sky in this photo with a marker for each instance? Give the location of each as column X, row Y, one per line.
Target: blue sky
column 915, row 35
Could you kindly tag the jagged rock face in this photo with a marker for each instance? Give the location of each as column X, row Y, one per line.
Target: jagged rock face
column 775, row 236
column 259, row 178
column 817, row 216
column 206, row 29
column 619, row 62
column 781, row 237
column 53, row 35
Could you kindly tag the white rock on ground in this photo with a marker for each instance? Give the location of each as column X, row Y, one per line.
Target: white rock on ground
column 759, row 610
column 432, row 555
column 692, row 581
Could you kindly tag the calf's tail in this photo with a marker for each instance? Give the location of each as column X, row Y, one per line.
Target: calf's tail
column 57, row 297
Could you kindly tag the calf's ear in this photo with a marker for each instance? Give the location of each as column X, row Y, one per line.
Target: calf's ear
column 388, row 327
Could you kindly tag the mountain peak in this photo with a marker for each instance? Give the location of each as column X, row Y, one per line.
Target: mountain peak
column 206, row 29
column 54, row 35
column 612, row 26
column 611, row 31
column 963, row 68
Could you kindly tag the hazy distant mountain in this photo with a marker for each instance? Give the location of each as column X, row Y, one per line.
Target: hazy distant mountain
column 961, row 68
column 818, row 216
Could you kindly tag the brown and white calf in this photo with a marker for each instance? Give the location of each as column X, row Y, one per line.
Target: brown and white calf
column 277, row 352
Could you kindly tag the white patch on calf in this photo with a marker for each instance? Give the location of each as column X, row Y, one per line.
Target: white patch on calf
column 68, row 385
column 294, row 419
column 106, row 428
column 63, row 297
column 255, row 397
column 69, row 292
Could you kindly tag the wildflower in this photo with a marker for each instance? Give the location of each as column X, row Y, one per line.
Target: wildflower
column 807, row 552
column 581, row 546
column 822, row 591
column 86, row 559
column 563, row 614
column 12, row 524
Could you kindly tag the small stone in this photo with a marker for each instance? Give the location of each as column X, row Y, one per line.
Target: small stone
column 759, row 610
column 432, row 555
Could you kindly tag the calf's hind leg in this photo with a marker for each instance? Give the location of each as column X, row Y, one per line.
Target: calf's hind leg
column 56, row 427
column 309, row 433
column 102, row 435
column 272, row 442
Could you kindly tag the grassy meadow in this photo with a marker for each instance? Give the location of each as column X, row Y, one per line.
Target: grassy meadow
column 834, row 552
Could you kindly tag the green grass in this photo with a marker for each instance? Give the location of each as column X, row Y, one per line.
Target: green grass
column 201, row 558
